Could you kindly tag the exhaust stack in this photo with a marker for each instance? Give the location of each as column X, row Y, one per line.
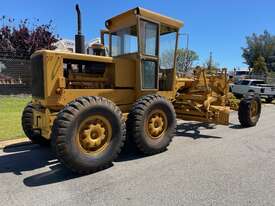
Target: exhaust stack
column 79, row 38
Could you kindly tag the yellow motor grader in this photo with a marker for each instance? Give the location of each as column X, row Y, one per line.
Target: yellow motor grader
column 88, row 102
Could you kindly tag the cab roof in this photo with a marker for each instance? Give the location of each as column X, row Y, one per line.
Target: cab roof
column 128, row 18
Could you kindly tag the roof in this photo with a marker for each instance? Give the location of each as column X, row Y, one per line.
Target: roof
column 128, row 18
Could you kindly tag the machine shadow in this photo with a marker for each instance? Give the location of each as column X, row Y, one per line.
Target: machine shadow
column 129, row 152
column 192, row 130
column 236, row 126
column 28, row 157
column 20, row 158
column 57, row 173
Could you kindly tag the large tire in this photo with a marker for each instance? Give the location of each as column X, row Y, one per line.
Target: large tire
column 88, row 134
column 27, row 125
column 249, row 110
column 145, row 113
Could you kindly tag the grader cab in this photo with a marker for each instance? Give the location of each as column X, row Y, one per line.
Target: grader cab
column 87, row 104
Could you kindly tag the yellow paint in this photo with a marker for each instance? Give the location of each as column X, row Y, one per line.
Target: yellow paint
column 201, row 97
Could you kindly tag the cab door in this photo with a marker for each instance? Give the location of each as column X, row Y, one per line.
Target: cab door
column 149, row 54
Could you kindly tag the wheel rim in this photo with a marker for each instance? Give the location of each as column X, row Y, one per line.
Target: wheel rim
column 156, row 124
column 94, row 135
column 254, row 109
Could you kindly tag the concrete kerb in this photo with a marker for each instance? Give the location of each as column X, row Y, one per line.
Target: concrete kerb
column 14, row 142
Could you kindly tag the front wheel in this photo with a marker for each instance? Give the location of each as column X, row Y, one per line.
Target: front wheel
column 88, row 134
column 27, row 125
column 249, row 110
column 151, row 124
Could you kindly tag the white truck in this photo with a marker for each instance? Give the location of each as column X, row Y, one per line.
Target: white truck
column 256, row 86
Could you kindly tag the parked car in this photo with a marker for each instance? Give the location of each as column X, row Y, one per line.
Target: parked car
column 256, row 86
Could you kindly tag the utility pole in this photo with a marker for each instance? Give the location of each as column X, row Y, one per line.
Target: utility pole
column 210, row 61
column 187, row 41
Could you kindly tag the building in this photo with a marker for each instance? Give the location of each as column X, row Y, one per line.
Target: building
column 69, row 45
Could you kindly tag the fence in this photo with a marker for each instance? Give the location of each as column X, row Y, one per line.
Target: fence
column 15, row 75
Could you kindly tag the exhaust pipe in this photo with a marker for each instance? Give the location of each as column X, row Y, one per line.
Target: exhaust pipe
column 79, row 38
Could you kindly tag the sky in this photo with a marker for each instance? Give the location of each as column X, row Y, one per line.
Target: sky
column 217, row 26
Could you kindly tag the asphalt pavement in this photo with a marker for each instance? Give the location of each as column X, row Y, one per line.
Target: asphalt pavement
column 204, row 165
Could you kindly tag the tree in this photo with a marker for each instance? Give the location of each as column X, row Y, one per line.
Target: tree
column 258, row 46
column 167, row 59
column 22, row 40
column 184, row 59
column 259, row 66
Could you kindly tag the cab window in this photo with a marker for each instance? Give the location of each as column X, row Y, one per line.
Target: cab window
column 168, row 38
column 149, row 38
column 149, row 72
column 124, row 41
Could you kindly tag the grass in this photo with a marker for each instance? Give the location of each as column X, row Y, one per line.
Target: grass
column 11, row 108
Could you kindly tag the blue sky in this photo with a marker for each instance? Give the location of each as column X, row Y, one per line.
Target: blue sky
column 219, row 26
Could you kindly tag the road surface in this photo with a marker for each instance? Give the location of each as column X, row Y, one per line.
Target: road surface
column 204, row 165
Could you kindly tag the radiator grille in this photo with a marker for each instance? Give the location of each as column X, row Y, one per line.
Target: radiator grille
column 37, row 76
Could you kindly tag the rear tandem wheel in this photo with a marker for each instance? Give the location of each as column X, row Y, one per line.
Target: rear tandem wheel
column 151, row 124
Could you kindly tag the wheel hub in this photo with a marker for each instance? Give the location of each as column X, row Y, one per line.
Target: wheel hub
column 94, row 135
column 157, row 124
column 254, row 109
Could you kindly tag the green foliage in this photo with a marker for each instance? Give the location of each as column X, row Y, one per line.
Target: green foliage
column 259, row 66
column 260, row 46
column 233, row 102
column 10, row 115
